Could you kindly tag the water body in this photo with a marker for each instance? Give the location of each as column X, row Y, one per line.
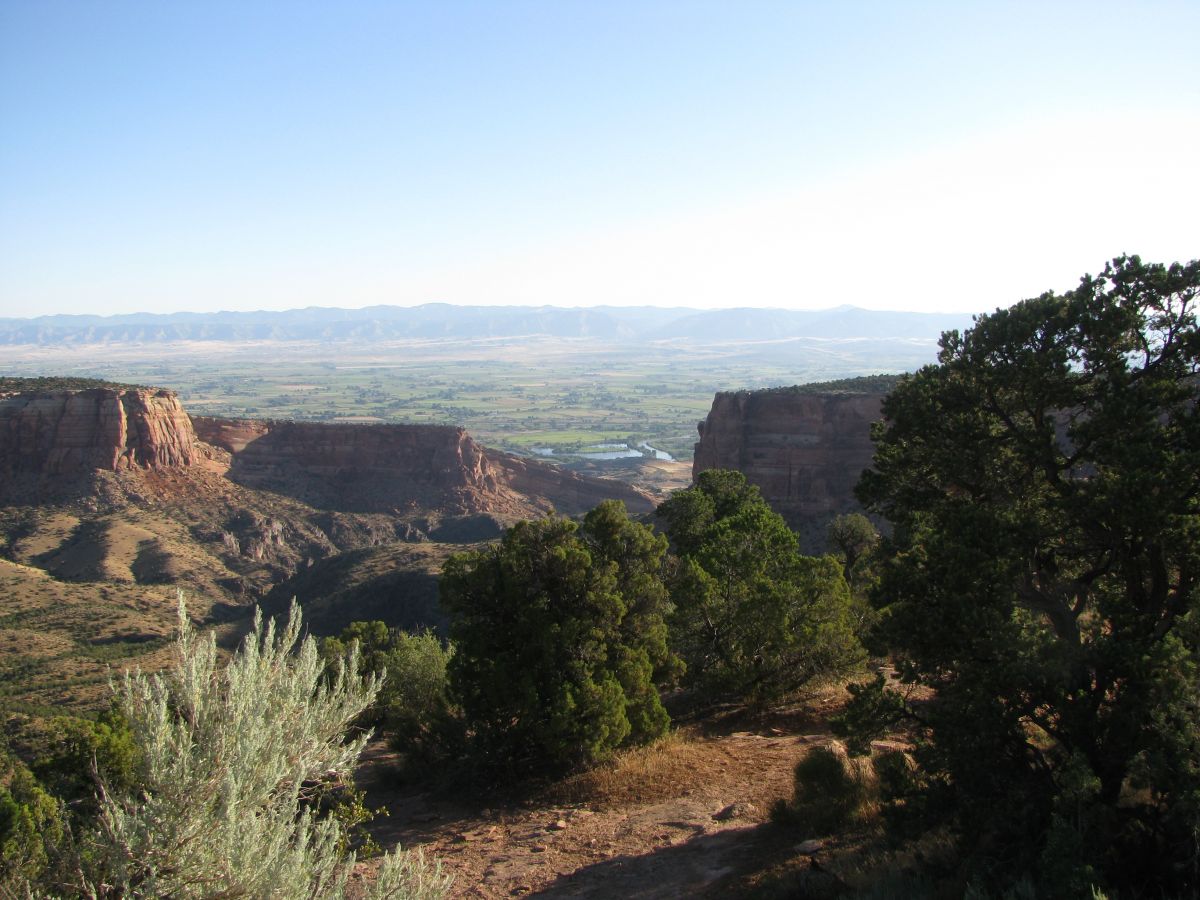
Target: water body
column 609, row 451
column 626, row 453
column 658, row 454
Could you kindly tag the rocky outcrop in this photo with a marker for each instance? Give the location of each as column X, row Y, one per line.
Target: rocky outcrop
column 804, row 451
column 69, row 432
column 401, row 469
column 567, row 492
column 228, row 434
column 47, row 434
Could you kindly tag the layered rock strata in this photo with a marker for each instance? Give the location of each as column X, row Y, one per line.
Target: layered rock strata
column 567, row 492
column 73, row 432
column 401, row 469
column 804, row 451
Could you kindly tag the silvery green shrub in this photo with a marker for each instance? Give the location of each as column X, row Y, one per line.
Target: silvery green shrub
column 233, row 756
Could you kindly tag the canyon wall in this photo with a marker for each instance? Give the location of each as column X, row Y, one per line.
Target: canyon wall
column 68, row 432
column 567, row 492
column 401, row 469
column 804, row 451
column 396, row 469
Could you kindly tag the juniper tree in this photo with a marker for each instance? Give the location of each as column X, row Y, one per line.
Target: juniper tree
column 753, row 617
column 1044, row 483
column 559, row 637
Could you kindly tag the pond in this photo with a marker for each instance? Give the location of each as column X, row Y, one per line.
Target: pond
column 607, row 451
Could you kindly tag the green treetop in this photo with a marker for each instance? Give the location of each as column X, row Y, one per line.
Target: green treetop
column 753, row 617
column 1043, row 480
column 559, row 639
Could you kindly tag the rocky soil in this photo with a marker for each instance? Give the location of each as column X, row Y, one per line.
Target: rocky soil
column 690, row 817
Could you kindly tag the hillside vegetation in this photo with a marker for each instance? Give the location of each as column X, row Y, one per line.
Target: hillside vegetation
column 1012, row 671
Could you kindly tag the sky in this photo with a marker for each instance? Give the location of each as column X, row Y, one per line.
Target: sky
column 953, row 157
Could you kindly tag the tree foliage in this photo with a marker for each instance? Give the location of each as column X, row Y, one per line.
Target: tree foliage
column 852, row 538
column 32, row 826
column 559, row 641
column 753, row 617
column 1043, row 481
column 413, row 703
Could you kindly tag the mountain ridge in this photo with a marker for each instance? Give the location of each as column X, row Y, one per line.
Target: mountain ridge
column 434, row 321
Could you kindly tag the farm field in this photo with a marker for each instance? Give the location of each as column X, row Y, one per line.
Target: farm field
column 558, row 397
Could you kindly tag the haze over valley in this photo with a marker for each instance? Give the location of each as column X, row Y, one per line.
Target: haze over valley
column 558, row 382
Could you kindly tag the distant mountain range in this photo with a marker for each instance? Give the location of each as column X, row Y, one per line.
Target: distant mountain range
column 435, row 321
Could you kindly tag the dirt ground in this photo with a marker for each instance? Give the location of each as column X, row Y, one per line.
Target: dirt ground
column 689, row 817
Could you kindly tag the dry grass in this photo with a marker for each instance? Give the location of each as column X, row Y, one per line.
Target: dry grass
column 639, row 775
column 51, row 533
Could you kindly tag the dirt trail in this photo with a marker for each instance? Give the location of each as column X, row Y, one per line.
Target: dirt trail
column 698, row 823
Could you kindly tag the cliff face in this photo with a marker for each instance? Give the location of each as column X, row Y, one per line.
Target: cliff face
column 804, row 451
column 393, row 469
column 400, row 469
column 228, row 434
column 567, row 492
column 70, row 432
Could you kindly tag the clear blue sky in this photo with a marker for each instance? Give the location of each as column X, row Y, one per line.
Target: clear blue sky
column 164, row 156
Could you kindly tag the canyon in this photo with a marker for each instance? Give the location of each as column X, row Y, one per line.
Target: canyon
column 400, row 469
column 368, row 468
column 113, row 499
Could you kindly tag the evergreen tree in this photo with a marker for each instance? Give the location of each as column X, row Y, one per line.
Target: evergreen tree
column 1044, row 483
column 412, row 707
column 753, row 617
column 558, row 634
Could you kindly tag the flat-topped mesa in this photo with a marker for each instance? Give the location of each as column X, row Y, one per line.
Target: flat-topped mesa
column 66, row 431
column 804, row 449
column 400, row 468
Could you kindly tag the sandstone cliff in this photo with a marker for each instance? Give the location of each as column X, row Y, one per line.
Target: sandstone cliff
column 567, row 492
column 68, row 432
column 49, row 432
column 401, row 469
column 804, row 451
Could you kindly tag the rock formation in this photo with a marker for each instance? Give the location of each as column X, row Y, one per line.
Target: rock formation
column 401, row 469
column 68, row 432
column 567, row 492
column 804, row 451
column 48, row 433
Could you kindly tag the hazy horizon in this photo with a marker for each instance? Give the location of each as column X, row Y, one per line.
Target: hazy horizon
column 555, row 306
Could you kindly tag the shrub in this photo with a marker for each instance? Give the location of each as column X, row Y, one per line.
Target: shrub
column 412, row 706
column 32, row 826
column 559, row 639
column 232, row 759
column 832, row 791
column 78, row 752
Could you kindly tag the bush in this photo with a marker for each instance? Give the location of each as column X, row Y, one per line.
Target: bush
column 559, row 641
column 78, row 753
column 32, row 827
column 412, row 707
column 753, row 617
column 232, row 761
column 832, row 791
